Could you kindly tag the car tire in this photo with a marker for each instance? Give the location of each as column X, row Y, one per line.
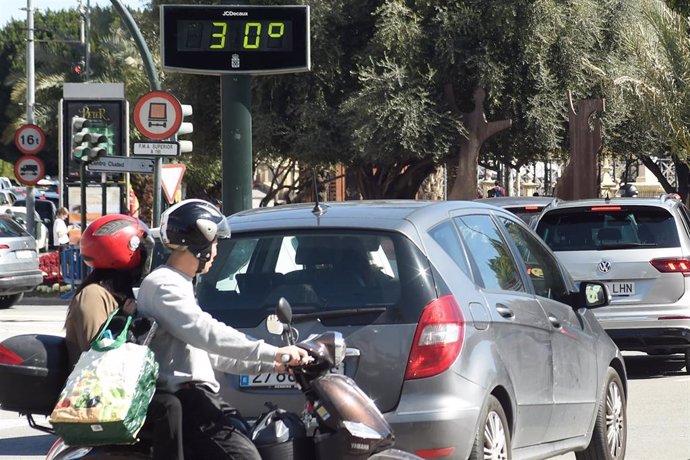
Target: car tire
column 492, row 438
column 611, row 426
column 6, row 301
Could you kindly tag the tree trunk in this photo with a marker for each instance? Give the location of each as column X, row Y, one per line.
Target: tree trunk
column 478, row 130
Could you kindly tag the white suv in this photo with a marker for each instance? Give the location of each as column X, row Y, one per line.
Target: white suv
column 640, row 248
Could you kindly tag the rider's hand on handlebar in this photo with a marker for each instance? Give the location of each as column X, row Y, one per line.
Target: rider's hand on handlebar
column 289, row 356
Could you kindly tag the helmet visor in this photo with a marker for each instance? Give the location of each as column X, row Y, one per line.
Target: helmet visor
column 223, row 230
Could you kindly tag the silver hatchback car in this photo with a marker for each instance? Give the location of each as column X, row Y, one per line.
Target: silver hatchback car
column 19, row 272
column 461, row 324
column 638, row 247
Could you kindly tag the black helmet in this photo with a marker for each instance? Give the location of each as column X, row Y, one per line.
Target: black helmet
column 193, row 225
column 628, row 190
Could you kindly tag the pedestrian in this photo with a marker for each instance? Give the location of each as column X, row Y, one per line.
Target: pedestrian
column 60, row 236
column 190, row 343
column 117, row 248
column 498, row 190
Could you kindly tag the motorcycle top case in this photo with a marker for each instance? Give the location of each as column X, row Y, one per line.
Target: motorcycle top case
column 33, row 370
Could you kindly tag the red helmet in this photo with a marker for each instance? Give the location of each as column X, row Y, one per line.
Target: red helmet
column 114, row 241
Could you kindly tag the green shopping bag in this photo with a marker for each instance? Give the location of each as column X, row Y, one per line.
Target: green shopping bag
column 106, row 396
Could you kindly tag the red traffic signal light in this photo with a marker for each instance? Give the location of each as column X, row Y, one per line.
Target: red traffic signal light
column 77, row 69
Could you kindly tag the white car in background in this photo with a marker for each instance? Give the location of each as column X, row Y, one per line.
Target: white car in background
column 7, row 198
column 18, row 213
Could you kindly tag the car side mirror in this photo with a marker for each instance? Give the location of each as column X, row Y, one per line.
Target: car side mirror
column 594, row 295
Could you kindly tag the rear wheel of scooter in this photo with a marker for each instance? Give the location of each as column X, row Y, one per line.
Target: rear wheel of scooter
column 492, row 440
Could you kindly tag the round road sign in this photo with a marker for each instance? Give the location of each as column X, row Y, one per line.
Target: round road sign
column 29, row 139
column 29, row 170
column 157, row 115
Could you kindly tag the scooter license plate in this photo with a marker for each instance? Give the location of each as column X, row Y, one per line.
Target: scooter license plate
column 272, row 380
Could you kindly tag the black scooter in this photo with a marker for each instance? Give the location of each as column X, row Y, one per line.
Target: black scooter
column 339, row 422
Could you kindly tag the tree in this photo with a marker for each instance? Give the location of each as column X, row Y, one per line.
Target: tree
column 658, row 91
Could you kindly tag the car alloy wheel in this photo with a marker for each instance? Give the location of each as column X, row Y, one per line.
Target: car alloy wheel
column 495, row 445
column 615, row 419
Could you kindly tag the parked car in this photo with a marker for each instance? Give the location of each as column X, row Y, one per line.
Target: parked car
column 525, row 207
column 640, row 248
column 19, row 271
column 462, row 325
column 7, row 198
column 46, row 208
column 18, row 213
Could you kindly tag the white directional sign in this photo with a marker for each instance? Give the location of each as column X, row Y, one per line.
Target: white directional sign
column 123, row 164
column 157, row 115
column 29, row 170
column 156, row 149
column 29, row 139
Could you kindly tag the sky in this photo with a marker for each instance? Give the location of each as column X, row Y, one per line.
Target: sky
column 11, row 9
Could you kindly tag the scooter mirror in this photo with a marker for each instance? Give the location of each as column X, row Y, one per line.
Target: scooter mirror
column 274, row 326
column 284, row 311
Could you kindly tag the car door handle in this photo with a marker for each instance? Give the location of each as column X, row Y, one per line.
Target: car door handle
column 504, row 311
column 555, row 322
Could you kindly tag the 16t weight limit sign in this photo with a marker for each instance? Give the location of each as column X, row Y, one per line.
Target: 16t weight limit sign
column 29, row 139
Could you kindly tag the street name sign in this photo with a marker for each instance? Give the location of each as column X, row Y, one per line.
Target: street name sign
column 156, row 149
column 123, row 164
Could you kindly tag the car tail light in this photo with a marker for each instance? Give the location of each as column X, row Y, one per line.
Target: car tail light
column 678, row 265
column 4, row 246
column 7, row 356
column 531, row 208
column 437, row 340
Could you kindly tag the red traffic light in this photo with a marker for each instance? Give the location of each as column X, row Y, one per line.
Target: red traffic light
column 77, row 69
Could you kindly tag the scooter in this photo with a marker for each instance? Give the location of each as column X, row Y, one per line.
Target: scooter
column 340, row 422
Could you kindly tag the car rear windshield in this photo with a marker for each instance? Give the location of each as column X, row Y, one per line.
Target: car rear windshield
column 526, row 213
column 378, row 277
column 9, row 228
column 608, row 227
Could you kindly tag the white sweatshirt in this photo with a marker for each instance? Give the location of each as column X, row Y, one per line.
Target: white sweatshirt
column 189, row 342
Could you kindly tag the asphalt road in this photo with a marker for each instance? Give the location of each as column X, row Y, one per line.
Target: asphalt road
column 658, row 398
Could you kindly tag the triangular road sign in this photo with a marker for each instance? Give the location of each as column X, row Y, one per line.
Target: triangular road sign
column 171, row 178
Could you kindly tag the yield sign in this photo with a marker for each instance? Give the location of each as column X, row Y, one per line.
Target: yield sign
column 171, row 178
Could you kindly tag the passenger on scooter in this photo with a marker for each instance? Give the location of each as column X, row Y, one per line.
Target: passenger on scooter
column 190, row 343
column 118, row 249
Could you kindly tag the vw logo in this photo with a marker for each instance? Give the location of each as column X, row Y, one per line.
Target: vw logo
column 604, row 266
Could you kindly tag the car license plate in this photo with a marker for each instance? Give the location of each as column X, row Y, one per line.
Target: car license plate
column 621, row 289
column 272, row 380
column 25, row 254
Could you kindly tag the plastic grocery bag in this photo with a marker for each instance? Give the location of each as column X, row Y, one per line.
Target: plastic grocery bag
column 106, row 396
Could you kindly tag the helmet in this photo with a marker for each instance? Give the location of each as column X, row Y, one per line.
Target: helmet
column 628, row 190
column 115, row 241
column 193, row 225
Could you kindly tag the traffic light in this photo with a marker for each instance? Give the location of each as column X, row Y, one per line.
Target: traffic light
column 185, row 128
column 86, row 144
column 77, row 68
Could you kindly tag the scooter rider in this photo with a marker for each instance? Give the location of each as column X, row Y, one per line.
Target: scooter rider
column 118, row 249
column 190, row 343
